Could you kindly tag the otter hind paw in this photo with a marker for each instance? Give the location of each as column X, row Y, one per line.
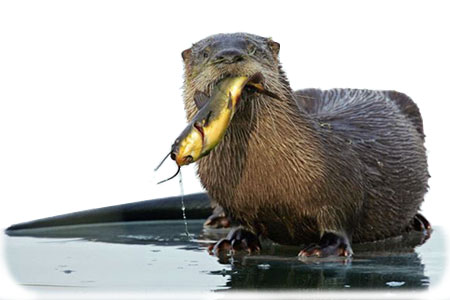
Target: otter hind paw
column 420, row 223
column 330, row 244
column 238, row 239
column 217, row 219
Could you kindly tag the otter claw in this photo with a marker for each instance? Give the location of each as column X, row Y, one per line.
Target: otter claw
column 329, row 245
column 237, row 240
column 421, row 224
column 217, row 219
column 222, row 245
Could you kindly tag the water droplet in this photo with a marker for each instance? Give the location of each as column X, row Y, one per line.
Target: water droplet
column 395, row 283
column 264, row 266
column 183, row 208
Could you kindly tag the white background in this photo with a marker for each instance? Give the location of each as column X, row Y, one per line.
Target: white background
column 91, row 95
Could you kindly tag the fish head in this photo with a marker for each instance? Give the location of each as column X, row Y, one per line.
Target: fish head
column 187, row 148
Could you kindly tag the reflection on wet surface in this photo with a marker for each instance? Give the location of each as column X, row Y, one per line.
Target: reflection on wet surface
column 405, row 271
column 157, row 256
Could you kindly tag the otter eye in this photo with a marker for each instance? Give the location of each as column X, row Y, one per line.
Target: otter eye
column 251, row 49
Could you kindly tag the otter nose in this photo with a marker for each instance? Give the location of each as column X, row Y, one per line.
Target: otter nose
column 228, row 56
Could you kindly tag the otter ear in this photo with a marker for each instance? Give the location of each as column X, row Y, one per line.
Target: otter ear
column 186, row 54
column 274, row 46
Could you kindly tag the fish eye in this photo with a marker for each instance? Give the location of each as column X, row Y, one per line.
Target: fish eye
column 173, row 155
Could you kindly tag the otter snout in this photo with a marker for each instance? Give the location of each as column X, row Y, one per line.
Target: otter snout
column 228, row 56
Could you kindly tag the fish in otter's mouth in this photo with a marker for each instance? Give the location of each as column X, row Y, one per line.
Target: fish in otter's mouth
column 209, row 125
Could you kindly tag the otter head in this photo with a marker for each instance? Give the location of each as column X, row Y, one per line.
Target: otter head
column 230, row 55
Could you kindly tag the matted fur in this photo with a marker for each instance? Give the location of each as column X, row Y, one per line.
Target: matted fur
column 343, row 160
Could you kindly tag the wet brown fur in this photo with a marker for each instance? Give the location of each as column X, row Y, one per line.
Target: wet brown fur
column 344, row 161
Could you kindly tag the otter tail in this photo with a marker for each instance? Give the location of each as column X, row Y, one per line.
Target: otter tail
column 197, row 207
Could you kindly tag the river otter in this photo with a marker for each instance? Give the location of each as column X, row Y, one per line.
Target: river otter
column 316, row 168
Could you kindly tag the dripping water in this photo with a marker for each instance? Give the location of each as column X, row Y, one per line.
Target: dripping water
column 183, row 208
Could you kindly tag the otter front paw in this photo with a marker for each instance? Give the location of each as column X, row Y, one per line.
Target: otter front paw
column 331, row 244
column 237, row 239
